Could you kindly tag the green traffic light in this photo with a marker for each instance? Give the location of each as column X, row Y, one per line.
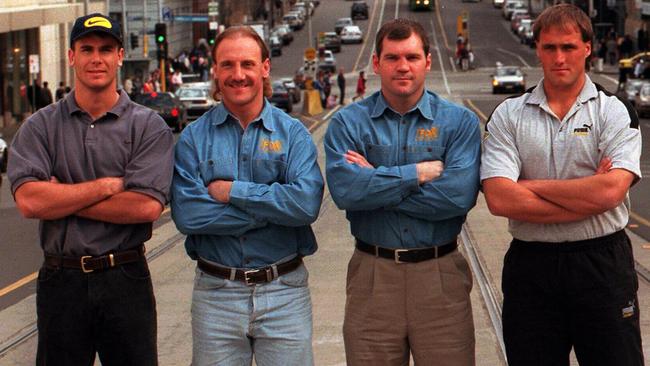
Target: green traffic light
column 211, row 42
column 160, row 39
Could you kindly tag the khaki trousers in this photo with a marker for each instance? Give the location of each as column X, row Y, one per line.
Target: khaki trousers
column 420, row 308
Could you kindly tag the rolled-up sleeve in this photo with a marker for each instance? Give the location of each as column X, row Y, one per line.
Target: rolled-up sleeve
column 29, row 159
column 151, row 167
column 355, row 188
column 500, row 157
column 194, row 211
column 294, row 203
column 621, row 139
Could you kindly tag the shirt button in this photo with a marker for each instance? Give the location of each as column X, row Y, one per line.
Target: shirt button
column 404, row 148
column 243, row 238
column 403, row 122
column 247, row 261
column 244, row 158
column 92, row 126
column 406, row 230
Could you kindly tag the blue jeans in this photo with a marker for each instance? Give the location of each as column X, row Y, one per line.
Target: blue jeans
column 111, row 313
column 232, row 321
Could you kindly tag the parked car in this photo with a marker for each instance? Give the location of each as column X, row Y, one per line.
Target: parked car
column 327, row 61
column 294, row 90
column 275, row 44
column 359, row 10
column 4, row 155
column 517, row 16
column 351, row 34
column 342, row 22
column 498, row 3
column 168, row 106
column 332, row 42
column 283, row 31
column 293, row 20
column 642, row 100
column 508, row 78
column 196, row 98
column 509, row 6
column 525, row 32
column 281, row 97
column 311, row 6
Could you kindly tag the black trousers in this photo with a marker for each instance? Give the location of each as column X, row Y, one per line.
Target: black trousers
column 579, row 294
column 111, row 313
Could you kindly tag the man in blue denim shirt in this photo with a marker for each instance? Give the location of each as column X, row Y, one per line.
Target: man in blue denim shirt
column 246, row 189
column 404, row 164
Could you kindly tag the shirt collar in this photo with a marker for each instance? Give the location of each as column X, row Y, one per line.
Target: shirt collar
column 423, row 106
column 221, row 115
column 117, row 110
column 588, row 92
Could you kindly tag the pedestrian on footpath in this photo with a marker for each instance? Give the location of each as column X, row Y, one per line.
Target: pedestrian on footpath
column 246, row 188
column 406, row 192
column 558, row 162
column 361, row 86
column 60, row 91
column 340, row 80
column 46, row 94
column 96, row 169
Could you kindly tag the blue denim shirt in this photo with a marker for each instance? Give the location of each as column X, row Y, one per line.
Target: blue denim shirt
column 385, row 205
column 276, row 192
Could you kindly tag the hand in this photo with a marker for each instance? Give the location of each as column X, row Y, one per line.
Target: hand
column 220, row 190
column 111, row 185
column 429, row 170
column 54, row 180
column 354, row 157
column 604, row 166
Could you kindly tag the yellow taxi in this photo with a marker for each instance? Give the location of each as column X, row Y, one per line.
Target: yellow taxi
column 628, row 63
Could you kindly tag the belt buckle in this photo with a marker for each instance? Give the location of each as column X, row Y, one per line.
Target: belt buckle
column 397, row 252
column 82, row 261
column 246, row 279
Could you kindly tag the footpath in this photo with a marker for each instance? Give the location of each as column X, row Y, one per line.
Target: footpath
column 173, row 275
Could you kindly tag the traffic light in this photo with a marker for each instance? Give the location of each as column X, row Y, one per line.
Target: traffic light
column 161, row 33
column 212, row 36
column 134, row 41
column 161, row 51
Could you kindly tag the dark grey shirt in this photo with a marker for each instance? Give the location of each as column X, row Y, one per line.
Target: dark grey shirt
column 63, row 141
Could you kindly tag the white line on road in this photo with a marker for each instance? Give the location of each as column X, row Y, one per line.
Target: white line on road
column 381, row 17
column 452, row 63
column 610, row 78
column 442, row 65
column 516, row 55
column 368, row 33
column 396, row 9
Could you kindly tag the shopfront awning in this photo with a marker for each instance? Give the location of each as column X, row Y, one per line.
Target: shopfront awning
column 19, row 18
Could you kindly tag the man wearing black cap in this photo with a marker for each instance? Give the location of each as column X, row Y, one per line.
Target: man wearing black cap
column 96, row 170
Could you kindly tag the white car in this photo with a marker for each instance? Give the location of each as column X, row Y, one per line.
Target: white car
column 508, row 79
column 351, row 34
column 498, row 3
column 197, row 98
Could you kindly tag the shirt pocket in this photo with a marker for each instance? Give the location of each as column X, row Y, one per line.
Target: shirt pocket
column 217, row 169
column 268, row 171
column 419, row 153
column 379, row 155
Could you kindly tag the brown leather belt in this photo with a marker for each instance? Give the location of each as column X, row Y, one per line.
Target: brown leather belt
column 408, row 255
column 250, row 276
column 89, row 263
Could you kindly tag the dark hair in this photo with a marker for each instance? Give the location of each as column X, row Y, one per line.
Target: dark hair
column 245, row 32
column 564, row 16
column 400, row 29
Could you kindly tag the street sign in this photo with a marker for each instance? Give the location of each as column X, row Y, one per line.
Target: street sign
column 34, row 64
column 213, row 25
column 310, row 53
column 166, row 13
column 213, row 9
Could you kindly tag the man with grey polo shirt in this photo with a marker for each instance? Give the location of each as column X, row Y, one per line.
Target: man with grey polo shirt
column 95, row 168
column 558, row 162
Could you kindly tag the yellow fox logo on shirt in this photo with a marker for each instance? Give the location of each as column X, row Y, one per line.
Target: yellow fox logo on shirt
column 427, row 135
column 268, row 145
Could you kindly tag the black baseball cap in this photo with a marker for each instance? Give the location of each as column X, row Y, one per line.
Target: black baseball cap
column 95, row 23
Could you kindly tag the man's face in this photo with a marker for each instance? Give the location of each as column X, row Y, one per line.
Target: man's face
column 239, row 71
column 95, row 60
column 402, row 67
column 562, row 53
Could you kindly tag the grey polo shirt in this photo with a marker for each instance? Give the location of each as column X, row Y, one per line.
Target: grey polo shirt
column 63, row 141
column 525, row 140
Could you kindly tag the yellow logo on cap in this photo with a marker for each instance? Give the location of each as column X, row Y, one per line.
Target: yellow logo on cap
column 98, row 22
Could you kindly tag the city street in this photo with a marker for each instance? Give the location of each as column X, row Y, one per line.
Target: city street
column 172, row 271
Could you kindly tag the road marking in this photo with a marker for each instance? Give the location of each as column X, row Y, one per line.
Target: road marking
column 368, row 32
column 452, row 63
column 20, row 283
column 325, row 118
column 642, row 220
column 610, row 78
column 442, row 29
column 381, row 17
column 396, row 9
column 476, row 110
column 442, row 65
column 516, row 55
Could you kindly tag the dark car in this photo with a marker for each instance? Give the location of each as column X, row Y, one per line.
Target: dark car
column 281, row 97
column 293, row 89
column 359, row 10
column 168, row 106
column 331, row 41
column 276, row 46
